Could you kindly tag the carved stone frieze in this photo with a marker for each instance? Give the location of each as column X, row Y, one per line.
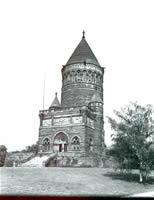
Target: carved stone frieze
column 82, row 85
column 82, row 76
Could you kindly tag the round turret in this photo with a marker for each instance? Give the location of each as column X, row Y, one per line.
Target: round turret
column 81, row 77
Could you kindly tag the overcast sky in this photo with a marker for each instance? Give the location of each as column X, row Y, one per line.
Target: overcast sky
column 38, row 37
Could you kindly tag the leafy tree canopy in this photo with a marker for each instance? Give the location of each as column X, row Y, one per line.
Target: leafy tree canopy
column 133, row 127
column 3, row 148
column 3, row 151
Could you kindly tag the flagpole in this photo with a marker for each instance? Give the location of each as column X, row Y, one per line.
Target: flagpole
column 44, row 92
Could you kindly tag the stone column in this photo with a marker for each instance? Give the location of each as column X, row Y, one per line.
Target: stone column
column 62, row 147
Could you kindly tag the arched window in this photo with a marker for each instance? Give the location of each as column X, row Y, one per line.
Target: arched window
column 92, row 77
column 91, row 144
column 75, row 140
column 84, row 76
column 75, row 143
column 98, row 78
column 81, row 76
column 73, row 76
column 95, row 77
column 46, row 144
column 87, row 77
column 78, row 76
column 68, row 76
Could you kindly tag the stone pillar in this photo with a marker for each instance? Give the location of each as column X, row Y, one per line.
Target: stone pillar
column 62, row 147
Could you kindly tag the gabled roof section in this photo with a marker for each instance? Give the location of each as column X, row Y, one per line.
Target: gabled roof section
column 83, row 54
column 55, row 103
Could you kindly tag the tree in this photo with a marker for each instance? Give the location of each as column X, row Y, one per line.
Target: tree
column 3, row 152
column 33, row 148
column 133, row 127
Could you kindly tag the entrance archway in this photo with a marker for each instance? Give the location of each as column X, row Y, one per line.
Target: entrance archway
column 60, row 143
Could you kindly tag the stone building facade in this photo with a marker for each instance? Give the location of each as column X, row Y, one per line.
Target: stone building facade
column 74, row 128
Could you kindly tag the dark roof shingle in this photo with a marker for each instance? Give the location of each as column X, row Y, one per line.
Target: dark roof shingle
column 83, row 53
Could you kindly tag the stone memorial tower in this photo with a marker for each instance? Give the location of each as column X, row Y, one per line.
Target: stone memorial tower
column 73, row 130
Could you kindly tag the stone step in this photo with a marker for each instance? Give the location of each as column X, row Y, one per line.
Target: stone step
column 37, row 161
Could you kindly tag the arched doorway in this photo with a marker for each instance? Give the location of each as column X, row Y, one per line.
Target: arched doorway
column 60, row 143
column 46, row 144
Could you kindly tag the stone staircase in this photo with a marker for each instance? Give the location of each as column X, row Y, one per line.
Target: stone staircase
column 38, row 161
column 59, row 159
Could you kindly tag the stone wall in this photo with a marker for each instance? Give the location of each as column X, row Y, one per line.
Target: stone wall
column 16, row 158
column 81, row 122
column 70, row 131
column 61, row 120
column 79, row 84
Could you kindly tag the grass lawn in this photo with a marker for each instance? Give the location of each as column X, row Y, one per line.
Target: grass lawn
column 69, row 181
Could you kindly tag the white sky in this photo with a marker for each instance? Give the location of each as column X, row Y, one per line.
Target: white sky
column 38, row 37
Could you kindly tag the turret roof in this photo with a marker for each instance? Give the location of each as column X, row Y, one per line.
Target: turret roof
column 55, row 102
column 83, row 53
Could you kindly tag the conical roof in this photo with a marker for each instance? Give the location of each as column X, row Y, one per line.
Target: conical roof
column 83, row 53
column 96, row 98
column 55, row 102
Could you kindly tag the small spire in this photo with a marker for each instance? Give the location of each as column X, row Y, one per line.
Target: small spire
column 55, row 103
column 83, row 36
